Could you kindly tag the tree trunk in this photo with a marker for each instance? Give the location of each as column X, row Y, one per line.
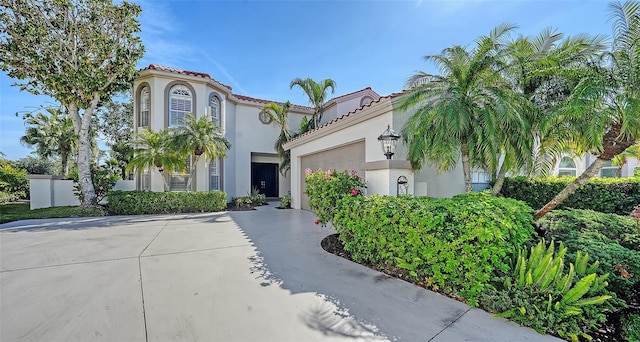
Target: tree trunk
column 64, row 156
column 466, row 164
column 164, row 179
column 499, row 179
column 192, row 171
column 81, row 125
column 613, row 146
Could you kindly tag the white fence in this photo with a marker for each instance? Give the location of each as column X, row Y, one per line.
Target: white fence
column 48, row 191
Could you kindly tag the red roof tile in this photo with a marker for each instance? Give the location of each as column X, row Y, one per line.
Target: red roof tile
column 351, row 93
column 353, row 112
column 183, row 72
column 253, row 99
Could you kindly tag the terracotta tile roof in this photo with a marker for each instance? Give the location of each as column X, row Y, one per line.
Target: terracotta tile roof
column 353, row 112
column 263, row 101
column 351, row 93
column 183, row 72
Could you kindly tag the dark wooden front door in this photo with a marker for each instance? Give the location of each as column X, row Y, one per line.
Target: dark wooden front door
column 264, row 176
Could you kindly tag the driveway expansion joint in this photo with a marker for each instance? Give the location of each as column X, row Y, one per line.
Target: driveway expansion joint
column 450, row 324
column 67, row 264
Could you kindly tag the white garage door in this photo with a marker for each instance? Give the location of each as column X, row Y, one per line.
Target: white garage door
column 348, row 157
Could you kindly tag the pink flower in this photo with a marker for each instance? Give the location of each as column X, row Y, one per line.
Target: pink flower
column 316, row 221
column 354, row 192
column 101, row 188
column 353, row 172
column 304, row 192
column 307, row 171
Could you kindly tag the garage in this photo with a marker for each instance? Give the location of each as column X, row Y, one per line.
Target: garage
column 346, row 157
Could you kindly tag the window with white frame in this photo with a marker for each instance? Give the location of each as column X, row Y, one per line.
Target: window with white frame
column 609, row 171
column 567, row 167
column 180, row 104
column 214, row 175
column 214, row 109
column 178, row 180
column 145, row 107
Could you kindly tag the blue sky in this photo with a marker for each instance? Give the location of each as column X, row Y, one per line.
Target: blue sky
column 258, row 47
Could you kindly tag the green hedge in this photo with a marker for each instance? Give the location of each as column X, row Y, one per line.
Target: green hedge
column 613, row 240
column 606, row 195
column 453, row 245
column 145, row 202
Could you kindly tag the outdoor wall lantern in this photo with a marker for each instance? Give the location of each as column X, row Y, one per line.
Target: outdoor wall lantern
column 388, row 139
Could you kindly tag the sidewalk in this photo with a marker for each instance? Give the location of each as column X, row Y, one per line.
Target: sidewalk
column 242, row 276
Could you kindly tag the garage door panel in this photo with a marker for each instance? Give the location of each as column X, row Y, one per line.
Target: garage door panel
column 347, row 157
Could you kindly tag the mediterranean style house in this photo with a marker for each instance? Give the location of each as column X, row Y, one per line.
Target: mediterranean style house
column 347, row 139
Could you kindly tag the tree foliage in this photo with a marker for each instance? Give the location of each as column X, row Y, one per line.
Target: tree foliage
column 77, row 52
column 317, row 94
column 279, row 115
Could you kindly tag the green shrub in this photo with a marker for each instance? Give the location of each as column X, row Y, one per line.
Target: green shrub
column 630, row 325
column 13, row 180
column 7, row 197
column 325, row 188
column 285, row 202
column 544, row 294
column 453, row 245
column 606, row 195
column 611, row 239
column 243, row 203
column 37, row 166
column 103, row 177
column 145, row 202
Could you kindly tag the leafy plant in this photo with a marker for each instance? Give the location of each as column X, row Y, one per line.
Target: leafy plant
column 629, row 324
column 104, row 178
column 451, row 245
column 326, row 188
column 257, row 199
column 13, row 181
column 145, row 202
column 606, row 195
column 243, row 203
column 285, row 202
column 541, row 293
column 611, row 239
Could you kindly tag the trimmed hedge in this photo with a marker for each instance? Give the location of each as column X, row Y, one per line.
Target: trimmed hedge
column 606, row 195
column 613, row 240
column 145, row 202
column 453, row 245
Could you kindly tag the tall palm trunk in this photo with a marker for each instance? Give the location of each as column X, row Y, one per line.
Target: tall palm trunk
column 466, row 164
column 192, row 170
column 497, row 187
column 613, row 146
column 64, row 160
column 164, row 179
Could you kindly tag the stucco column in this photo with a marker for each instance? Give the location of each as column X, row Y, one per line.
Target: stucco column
column 41, row 191
column 383, row 176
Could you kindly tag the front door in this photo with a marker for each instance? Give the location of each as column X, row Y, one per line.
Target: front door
column 264, row 176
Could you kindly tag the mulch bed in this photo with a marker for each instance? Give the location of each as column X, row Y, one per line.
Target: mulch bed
column 609, row 332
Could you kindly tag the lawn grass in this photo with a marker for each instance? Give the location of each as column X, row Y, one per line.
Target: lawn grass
column 20, row 211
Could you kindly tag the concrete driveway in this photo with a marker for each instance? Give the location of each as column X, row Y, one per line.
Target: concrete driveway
column 240, row 276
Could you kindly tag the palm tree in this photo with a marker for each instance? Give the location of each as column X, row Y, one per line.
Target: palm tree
column 52, row 134
column 540, row 69
column 462, row 112
column 280, row 116
column 621, row 159
column 153, row 149
column 198, row 137
column 317, row 93
column 603, row 109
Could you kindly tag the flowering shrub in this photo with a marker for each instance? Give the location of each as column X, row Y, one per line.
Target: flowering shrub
column 325, row 188
column 104, row 178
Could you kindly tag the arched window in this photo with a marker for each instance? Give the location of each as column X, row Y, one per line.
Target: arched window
column 144, row 106
column 180, row 104
column 567, row 167
column 214, row 109
column 609, row 170
column 366, row 100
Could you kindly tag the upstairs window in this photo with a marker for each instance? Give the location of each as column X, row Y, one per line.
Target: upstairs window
column 366, row 100
column 567, row 167
column 145, row 107
column 214, row 109
column 180, row 104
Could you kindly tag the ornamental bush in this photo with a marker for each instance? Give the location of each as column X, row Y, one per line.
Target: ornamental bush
column 103, row 177
column 145, row 202
column 613, row 240
column 325, row 188
column 449, row 244
column 606, row 195
column 13, row 182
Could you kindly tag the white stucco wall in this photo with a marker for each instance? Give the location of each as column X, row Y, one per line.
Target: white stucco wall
column 47, row 191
